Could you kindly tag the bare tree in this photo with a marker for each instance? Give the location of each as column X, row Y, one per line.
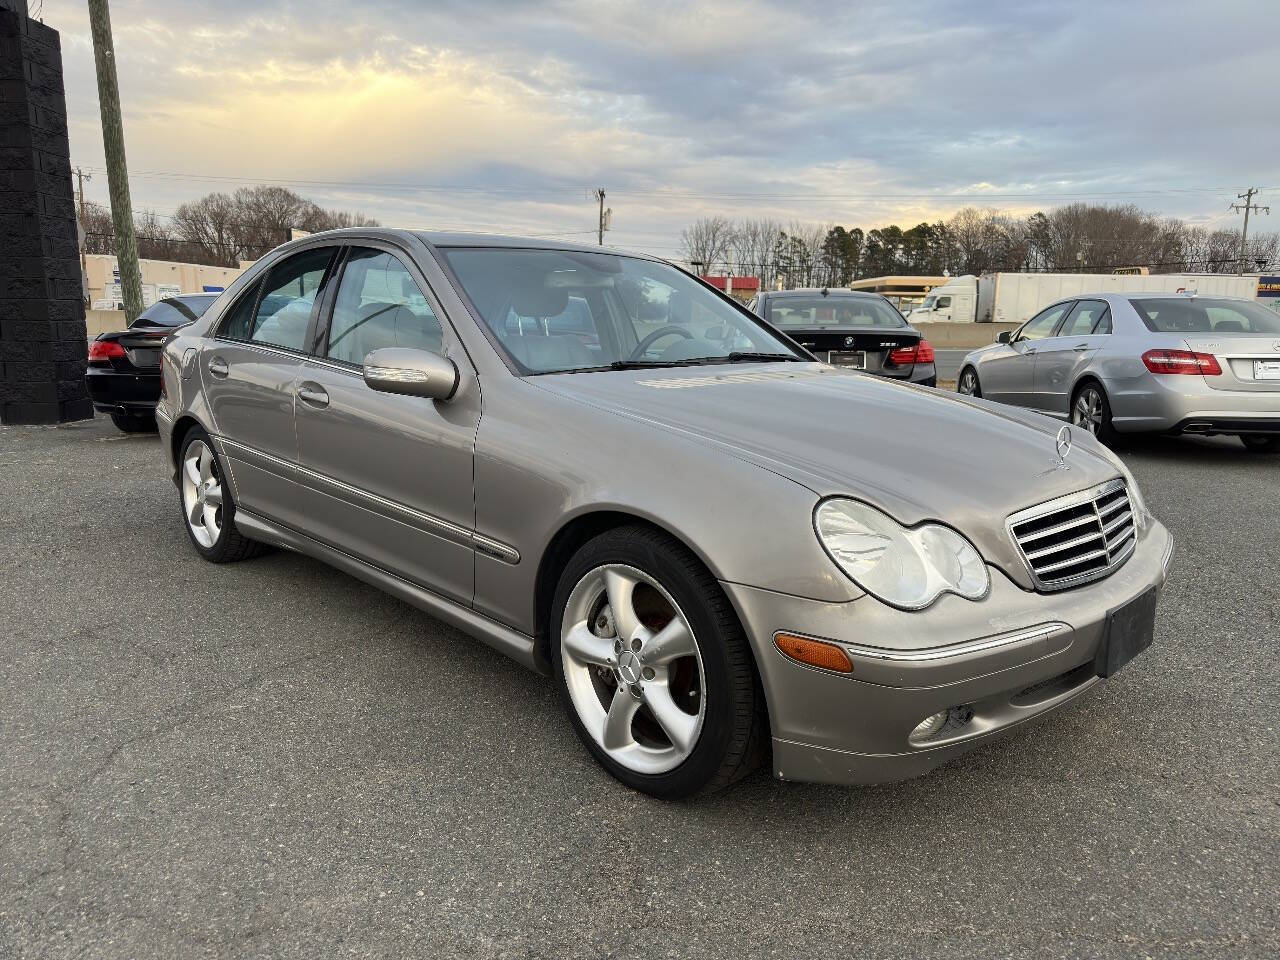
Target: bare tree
column 707, row 241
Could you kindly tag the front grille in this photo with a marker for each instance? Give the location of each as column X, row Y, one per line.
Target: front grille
column 1077, row 538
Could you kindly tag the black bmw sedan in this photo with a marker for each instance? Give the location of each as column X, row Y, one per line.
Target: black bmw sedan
column 848, row 328
column 124, row 366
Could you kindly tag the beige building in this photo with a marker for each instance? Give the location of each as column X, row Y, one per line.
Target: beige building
column 160, row 278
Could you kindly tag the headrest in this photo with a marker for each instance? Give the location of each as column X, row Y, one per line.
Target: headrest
column 535, row 300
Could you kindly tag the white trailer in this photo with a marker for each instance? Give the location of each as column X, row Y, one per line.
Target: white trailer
column 1015, row 297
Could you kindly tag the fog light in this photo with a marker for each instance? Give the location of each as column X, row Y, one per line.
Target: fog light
column 927, row 727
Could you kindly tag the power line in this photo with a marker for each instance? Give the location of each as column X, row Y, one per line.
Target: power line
column 676, row 194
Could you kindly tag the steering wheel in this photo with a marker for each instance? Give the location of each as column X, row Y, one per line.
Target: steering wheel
column 658, row 334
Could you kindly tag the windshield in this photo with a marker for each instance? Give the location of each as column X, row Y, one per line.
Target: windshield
column 928, row 303
column 833, row 311
column 557, row 310
column 172, row 312
column 1201, row 315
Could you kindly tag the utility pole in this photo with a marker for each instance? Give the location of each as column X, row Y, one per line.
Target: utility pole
column 113, row 146
column 1248, row 205
column 81, row 177
column 600, row 228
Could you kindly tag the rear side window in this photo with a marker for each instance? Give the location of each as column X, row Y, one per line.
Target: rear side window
column 379, row 304
column 283, row 312
column 1084, row 318
column 172, row 312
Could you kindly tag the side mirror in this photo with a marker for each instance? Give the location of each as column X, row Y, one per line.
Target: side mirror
column 414, row 373
column 1006, row 336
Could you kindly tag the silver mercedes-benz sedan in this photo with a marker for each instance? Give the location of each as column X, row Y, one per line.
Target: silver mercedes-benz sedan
column 719, row 548
column 1142, row 362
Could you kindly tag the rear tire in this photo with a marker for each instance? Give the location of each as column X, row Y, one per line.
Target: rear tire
column 208, row 509
column 968, row 383
column 1091, row 412
column 1256, row 444
column 702, row 687
column 134, row 422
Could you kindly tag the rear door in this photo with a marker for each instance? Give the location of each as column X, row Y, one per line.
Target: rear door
column 388, row 478
column 249, row 369
column 1060, row 359
column 1008, row 375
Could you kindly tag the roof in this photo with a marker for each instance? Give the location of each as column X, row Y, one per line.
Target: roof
column 830, row 292
column 442, row 238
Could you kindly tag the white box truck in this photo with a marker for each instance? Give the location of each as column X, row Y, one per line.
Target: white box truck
column 1015, row 297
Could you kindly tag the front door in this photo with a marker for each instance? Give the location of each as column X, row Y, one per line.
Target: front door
column 1062, row 357
column 388, row 478
column 249, row 370
column 1009, row 375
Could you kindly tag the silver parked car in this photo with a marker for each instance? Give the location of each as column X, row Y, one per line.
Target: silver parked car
column 720, row 548
column 1142, row 362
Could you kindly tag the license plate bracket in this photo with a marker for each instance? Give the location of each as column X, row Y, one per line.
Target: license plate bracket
column 1266, row 369
column 1129, row 630
column 855, row 359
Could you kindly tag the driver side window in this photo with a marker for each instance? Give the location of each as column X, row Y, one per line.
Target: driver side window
column 1042, row 324
column 379, row 305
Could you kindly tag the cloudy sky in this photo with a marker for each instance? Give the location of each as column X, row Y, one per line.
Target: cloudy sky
column 502, row 116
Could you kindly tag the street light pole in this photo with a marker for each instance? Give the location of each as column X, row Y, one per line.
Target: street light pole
column 113, row 147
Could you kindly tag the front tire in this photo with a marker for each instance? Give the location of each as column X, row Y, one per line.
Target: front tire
column 1256, row 444
column 208, row 509
column 653, row 667
column 1091, row 412
column 968, row 383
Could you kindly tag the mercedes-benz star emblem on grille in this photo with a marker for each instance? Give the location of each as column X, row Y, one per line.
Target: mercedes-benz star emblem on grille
column 1063, row 443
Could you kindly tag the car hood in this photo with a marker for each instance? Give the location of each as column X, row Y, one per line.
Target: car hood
column 916, row 453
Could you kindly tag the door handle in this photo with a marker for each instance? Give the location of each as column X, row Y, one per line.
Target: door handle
column 1030, row 351
column 1080, row 347
column 313, row 393
column 219, row 368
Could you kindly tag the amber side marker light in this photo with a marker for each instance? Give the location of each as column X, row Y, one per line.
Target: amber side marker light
column 813, row 653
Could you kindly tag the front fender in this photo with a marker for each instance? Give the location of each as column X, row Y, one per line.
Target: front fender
column 747, row 524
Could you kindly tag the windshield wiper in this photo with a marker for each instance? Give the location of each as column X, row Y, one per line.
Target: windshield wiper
column 647, row 364
column 735, row 357
column 740, row 356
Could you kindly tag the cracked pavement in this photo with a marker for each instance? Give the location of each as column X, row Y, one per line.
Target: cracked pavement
column 271, row 759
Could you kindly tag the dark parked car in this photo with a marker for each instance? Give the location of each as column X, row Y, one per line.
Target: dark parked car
column 847, row 328
column 124, row 366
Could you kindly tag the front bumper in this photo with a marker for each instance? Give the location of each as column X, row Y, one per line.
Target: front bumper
column 1002, row 661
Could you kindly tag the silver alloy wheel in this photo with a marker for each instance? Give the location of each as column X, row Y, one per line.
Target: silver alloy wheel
column 633, row 674
column 1087, row 412
column 202, row 493
column 968, row 383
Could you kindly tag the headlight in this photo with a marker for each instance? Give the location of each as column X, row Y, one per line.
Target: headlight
column 905, row 567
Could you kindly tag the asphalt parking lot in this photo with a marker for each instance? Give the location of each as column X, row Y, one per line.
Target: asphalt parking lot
column 271, row 759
